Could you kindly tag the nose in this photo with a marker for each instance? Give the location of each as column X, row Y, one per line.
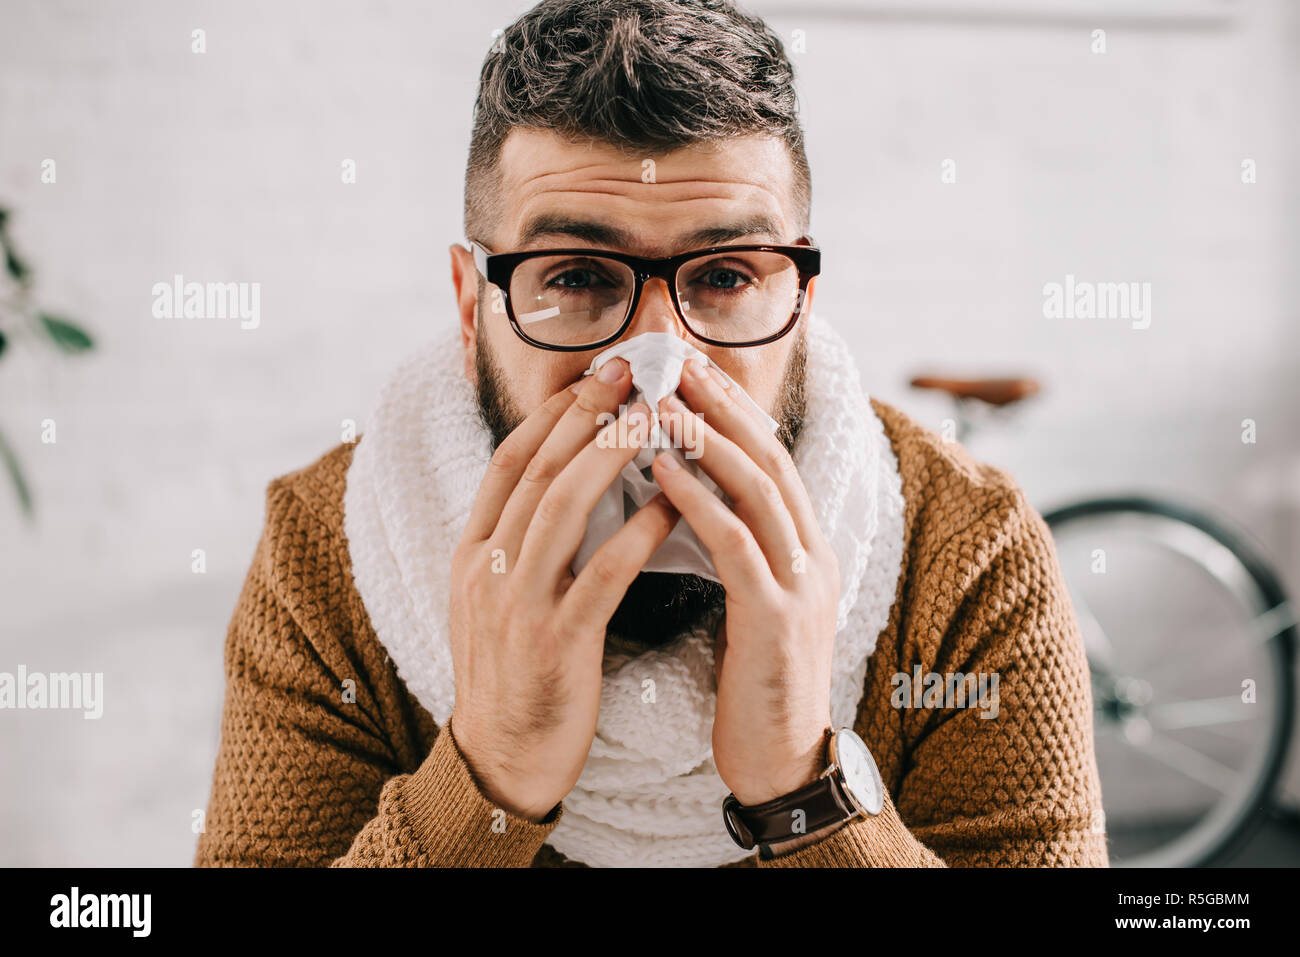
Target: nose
column 656, row 312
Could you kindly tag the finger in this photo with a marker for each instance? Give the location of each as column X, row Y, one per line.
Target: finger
column 595, row 406
column 756, row 498
column 735, row 419
column 604, row 580
column 510, row 459
column 741, row 564
column 560, row 519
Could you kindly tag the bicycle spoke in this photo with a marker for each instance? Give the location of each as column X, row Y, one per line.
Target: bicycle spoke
column 1173, row 715
column 1190, row 763
column 1273, row 622
column 1102, row 650
column 1260, row 630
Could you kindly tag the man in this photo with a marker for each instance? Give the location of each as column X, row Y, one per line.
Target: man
column 417, row 675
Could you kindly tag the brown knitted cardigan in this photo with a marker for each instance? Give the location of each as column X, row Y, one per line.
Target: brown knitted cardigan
column 326, row 758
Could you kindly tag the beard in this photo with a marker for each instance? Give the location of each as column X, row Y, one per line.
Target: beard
column 658, row 606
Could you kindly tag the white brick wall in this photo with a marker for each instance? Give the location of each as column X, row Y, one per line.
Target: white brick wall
column 225, row 166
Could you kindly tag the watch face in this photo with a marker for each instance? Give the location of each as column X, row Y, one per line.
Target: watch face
column 859, row 772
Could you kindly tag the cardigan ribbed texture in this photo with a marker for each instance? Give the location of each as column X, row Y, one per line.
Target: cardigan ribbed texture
column 326, row 759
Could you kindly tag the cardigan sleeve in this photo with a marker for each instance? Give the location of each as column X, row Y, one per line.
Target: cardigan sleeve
column 438, row 817
column 305, row 773
column 1014, row 784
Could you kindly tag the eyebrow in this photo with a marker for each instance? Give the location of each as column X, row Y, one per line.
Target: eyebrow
column 603, row 234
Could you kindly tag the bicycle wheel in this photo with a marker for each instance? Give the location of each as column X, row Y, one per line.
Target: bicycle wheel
column 1190, row 642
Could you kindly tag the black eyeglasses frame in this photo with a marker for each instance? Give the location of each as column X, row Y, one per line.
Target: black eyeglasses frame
column 498, row 268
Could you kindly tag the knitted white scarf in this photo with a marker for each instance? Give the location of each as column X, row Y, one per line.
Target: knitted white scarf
column 649, row 794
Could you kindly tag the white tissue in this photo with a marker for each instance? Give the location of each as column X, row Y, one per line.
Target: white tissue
column 656, row 359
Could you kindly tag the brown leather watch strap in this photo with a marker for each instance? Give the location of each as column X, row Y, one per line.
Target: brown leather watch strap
column 822, row 803
column 810, row 808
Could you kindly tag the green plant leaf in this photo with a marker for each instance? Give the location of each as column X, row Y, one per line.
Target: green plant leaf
column 16, row 475
column 66, row 335
column 16, row 267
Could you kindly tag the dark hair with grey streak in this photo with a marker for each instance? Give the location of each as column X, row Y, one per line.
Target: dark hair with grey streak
column 643, row 75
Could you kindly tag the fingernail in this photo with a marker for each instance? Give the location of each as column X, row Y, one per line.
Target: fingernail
column 675, row 404
column 695, row 368
column 577, row 386
column 669, row 460
column 611, row 371
column 719, row 378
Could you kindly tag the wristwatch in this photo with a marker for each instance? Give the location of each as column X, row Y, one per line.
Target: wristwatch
column 849, row 786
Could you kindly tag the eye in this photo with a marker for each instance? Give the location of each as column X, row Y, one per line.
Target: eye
column 720, row 277
column 574, row 279
column 725, row 278
column 578, row 277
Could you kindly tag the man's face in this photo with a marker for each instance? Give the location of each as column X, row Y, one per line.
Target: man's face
column 741, row 185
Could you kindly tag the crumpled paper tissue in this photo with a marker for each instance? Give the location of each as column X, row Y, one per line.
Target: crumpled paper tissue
column 656, row 359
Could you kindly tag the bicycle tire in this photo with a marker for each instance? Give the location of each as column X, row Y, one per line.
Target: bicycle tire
column 1273, row 594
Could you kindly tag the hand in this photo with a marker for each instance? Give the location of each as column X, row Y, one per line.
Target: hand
column 527, row 638
column 774, row 649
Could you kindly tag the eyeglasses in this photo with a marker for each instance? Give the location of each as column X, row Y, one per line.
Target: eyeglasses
column 569, row 300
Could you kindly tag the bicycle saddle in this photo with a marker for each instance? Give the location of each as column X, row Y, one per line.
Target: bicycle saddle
column 992, row 391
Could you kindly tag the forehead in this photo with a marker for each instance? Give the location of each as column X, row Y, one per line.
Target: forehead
column 655, row 201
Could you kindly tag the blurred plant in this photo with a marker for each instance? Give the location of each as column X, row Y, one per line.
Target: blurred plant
column 18, row 312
